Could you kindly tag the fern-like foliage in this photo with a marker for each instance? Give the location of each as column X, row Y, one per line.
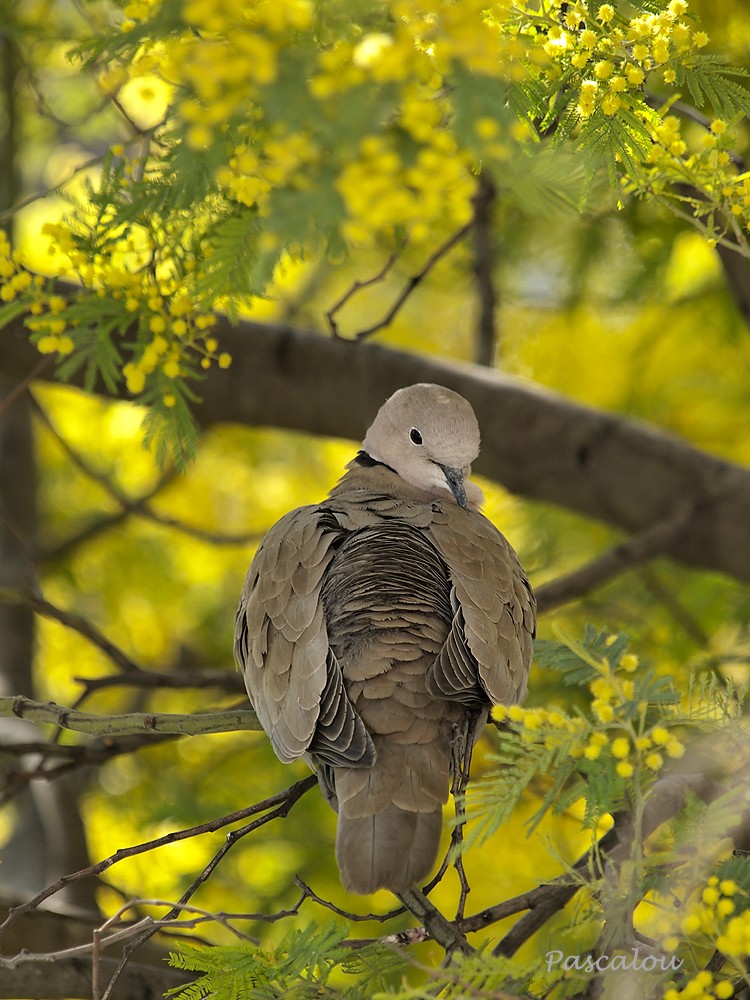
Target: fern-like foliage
column 309, row 963
column 712, row 81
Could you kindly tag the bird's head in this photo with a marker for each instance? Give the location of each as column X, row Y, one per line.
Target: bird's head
column 429, row 435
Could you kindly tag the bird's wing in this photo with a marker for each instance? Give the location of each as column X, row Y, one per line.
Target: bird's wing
column 281, row 645
column 494, row 611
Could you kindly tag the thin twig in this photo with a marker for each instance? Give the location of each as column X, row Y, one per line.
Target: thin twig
column 105, row 936
column 287, row 800
column 412, row 283
column 357, row 286
column 67, row 758
column 289, row 795
column 348, row 915
column 229, row 681
column 140, row 506
column 77, row 623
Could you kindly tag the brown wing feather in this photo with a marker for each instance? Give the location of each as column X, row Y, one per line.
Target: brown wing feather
column 281, row 645
column 495, row 619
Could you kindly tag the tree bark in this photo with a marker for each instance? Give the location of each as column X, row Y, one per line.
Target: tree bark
column 47, row 834
column 70, row 978
column 535, row 442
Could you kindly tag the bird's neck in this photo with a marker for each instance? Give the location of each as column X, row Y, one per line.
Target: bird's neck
column 363, row 460
column 367, row 473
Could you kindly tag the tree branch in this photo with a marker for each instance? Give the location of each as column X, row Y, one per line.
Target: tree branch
column 356, row 287
column 72, row 621
column 284, row 801
column 139, row 506
column 131, row 723
column 666, row 799
column 633, row 552
column 545, row 900
column 179, row 679
column 281, row 801
column 486, row 339
column 411, row 284
column 535, row 442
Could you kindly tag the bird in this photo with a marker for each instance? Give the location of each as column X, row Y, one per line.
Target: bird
column 373, row 625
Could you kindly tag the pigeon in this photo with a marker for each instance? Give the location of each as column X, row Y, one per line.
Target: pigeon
column 373, row 625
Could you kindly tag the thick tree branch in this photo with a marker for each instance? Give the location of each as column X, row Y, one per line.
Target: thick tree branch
column 535, row 442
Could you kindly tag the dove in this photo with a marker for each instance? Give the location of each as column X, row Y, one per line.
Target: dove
column 373, row 625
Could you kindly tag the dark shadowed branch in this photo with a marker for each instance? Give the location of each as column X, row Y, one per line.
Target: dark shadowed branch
column 535, row 442
column 484, row 260
column 639, row 548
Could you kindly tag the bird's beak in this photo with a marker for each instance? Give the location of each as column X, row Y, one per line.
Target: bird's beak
column 455, row 479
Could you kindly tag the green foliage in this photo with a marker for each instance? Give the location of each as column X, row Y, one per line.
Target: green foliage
column 624, row 310
column 292, row 131
column 710, row 80
column 613, row 759
column 308, row 963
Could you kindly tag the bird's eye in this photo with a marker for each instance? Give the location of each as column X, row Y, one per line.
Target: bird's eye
column 414, row 436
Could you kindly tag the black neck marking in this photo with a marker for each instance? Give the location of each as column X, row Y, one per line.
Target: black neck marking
column 368, row 462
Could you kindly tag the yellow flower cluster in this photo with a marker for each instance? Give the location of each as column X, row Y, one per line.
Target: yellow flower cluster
column 703, row 986
column 14, row 277
column 551, row 727
column 283, row 160
column 228, row 50
column 172, row 331
column 711, row 916
column 615, row 53
column 710, row 168
column 382, row 192
column 51, row 329
column 231, row 54
column 18, row 285
column 464, row 33
column 611, row 734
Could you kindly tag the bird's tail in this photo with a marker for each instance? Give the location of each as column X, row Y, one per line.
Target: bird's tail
column 390, row 815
